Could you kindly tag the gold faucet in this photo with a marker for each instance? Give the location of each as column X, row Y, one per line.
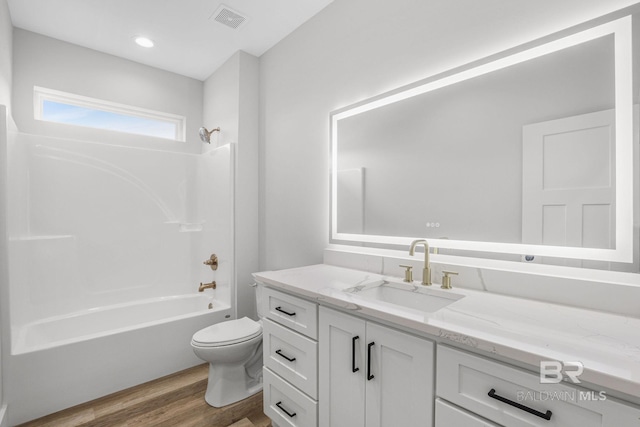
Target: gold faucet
column 204, row 286
column 426, row 270
column 446, row 279
column 212, row 262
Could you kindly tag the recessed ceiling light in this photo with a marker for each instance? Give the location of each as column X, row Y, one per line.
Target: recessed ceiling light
column 144, row 42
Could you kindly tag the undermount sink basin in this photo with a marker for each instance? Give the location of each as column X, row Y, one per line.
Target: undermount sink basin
column 416, row 297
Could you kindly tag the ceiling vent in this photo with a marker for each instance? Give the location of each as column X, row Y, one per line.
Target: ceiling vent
column 229, row 17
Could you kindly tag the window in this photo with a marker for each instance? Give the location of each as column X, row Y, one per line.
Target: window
column 61, row 107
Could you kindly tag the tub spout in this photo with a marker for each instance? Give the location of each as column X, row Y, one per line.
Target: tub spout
column 204, row 286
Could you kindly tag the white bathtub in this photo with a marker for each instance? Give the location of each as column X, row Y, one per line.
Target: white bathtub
column 95, row 352
column 101, row 321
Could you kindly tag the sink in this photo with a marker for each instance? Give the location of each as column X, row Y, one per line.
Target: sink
column 415, row 297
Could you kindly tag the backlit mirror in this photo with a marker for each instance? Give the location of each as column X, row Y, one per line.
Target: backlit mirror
column 529, row 154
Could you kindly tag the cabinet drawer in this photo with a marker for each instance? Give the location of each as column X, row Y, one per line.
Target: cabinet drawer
column 519, row 399
column 286, row 405
column 449, row 416
column 292, row 356
column 290, row 311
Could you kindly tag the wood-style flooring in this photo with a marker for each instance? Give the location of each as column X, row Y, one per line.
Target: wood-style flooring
column 176, row 400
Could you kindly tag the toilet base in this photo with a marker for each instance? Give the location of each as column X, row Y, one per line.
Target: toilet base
column 229, row 384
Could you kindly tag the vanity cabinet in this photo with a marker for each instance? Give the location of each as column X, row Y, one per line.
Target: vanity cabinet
column 290, row 354
column 371, row 375
column 510, row 396
column 356, row 363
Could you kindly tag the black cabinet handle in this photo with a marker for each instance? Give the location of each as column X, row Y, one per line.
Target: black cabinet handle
column 290, row 359
column 546, row 416
column 285, row 312
column 369, row 376
column 279, row 405
column 353, row 354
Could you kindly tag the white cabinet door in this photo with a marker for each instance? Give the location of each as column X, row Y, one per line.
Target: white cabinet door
column 341, row 390
column 400, row 391
column 371, row 375
column 450, row 416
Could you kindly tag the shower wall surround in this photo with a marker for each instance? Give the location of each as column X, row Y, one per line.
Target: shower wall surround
column 92, row 225
column 94, row 229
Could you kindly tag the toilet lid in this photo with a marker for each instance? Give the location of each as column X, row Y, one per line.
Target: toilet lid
column 226, row 333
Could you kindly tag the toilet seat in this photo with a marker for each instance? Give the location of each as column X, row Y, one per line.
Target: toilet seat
column 227, row 333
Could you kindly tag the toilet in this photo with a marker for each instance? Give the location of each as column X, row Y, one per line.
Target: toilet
column 234, row 352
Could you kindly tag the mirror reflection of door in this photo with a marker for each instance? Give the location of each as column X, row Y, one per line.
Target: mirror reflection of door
column 569, row 183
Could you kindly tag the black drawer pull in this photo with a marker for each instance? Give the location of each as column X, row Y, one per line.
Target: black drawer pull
column 353, row 354
column 285, row 312
column 546, row 416
column 284, row 410
column 369, row 376
column 290, row 359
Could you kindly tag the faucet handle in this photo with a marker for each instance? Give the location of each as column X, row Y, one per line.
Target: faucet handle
column 212, row 262
column 408, row 274
column 446, row 278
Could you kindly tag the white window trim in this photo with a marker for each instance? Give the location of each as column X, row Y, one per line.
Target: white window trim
column 41, row 94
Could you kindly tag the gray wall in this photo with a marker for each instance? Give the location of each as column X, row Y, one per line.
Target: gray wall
column 53, row 64
column 6, row 40
column 4, row 259
column 6, row 49
column 231, row 102
column 353, row 50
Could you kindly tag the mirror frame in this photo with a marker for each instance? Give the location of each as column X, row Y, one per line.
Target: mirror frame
column 621, row 29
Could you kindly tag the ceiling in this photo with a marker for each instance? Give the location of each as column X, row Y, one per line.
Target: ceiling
column 186, row 40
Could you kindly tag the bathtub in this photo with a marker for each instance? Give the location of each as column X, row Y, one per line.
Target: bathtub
column 98, row 322
column 62, row 361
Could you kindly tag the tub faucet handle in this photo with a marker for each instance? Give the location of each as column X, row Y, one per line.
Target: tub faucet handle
column 212, row 262
column 204, row 286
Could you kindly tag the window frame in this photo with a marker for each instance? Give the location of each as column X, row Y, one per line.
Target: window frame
column 41, row 94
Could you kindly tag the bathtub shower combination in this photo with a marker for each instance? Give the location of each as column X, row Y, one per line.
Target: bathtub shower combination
column 106, row 251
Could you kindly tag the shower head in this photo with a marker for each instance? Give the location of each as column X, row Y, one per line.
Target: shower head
column 205, row 135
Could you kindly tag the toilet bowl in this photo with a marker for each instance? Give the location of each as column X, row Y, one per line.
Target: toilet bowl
column 234, row 352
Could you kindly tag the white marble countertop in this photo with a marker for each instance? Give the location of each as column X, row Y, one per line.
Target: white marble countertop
column 526, row 331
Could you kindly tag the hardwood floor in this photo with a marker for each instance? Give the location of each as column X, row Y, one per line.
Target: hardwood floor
column 176, row 400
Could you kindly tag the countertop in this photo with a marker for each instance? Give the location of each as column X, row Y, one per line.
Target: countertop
column 526, row 331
